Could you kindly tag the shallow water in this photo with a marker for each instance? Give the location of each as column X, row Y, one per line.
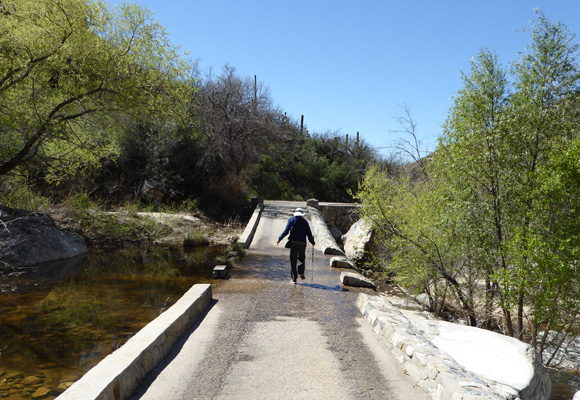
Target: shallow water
column 564, row 384
column 51, row 333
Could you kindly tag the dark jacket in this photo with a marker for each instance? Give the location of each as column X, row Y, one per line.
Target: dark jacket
column 299, row 229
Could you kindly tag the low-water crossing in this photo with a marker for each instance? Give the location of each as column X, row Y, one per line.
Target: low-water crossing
column 52, row 332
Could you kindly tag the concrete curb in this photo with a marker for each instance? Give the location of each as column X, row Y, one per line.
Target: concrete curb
column 435, row 372
column 119, row 374
column 323, row 237
column 246, row 239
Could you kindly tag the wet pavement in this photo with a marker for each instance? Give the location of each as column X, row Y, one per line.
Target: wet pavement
column 266, row 338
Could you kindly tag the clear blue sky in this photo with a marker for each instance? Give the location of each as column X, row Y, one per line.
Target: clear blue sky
column 347, row 65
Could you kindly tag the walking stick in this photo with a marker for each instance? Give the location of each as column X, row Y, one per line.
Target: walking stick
column 312, row 266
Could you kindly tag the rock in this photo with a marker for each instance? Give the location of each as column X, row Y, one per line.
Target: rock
column 233, row 254
column 220, row 272
column 312, row 203
column 356, row 279
column 41, row 393
column 341, row 262
column 256, row 201
column 336, row 233
column 31, row 380
column 568, row 353
column 64, row 386
column 14, row 375
column 423, row 299
column 460, row 360
column 48, row 365
column 30, row 238
column 358, row 241
column 152, row 190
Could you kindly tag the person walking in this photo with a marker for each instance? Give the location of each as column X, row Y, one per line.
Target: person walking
column 299, row 230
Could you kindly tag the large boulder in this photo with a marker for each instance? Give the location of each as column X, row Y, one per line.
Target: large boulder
column 29, row 238
column 356, row 279
column 341, row 262
column 450, row 361
column 564, row 351
column 358, row 241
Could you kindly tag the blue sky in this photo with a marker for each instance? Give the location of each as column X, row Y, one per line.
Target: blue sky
column 348, row 66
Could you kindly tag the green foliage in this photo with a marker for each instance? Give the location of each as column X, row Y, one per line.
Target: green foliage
column 95, row 98
column 80, row 202
column 67, row 67
column 313, row 166
column 494, row 220
column 16, row 193
column 195, row 239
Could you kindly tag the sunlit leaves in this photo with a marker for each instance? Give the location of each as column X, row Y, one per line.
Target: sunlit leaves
column 501, row 197
column 64, row 63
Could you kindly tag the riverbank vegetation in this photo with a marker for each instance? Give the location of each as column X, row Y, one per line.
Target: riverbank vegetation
column 100, row 111
column 489, row 224
column 95, row 99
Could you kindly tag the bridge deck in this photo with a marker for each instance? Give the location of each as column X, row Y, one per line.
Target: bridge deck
column 264, row 337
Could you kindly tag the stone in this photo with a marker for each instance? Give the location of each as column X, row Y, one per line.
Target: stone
column 336, row 233
column 356, row 279
column 29, row 238
column 256, row 201
column 64, row 386
column 220, row 272
column 472, row 362
column 567, row 350
column 358, row 242
column 49, row 365
column 152, row 190
column 341, row 262
column 31, row 380
column 233, row 254
column 312, row 203
column 41, row 393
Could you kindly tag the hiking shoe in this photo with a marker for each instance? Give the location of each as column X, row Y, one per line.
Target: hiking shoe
column 302, row 276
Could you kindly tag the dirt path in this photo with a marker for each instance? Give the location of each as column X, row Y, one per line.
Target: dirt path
column 267, row 338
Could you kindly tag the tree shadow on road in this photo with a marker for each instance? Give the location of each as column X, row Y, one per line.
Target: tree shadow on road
column 335, row 288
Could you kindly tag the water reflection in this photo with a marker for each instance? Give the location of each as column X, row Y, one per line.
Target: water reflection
column 52, row 332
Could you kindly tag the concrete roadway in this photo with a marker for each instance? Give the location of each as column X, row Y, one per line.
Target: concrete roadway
column 266, row 338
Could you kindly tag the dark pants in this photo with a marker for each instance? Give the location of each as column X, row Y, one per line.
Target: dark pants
column 297, row 253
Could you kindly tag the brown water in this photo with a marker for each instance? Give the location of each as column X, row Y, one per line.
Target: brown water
column 564, row 384
column 51, row 333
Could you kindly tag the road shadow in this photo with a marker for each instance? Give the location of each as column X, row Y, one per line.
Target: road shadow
column 335, row 288
column 152, row 376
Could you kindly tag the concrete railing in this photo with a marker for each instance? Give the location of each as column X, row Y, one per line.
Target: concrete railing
column 118, row 375
column 246, row 239
column 322, row 235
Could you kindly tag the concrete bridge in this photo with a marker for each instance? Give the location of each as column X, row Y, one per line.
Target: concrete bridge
column 259, row 337
column 264, row 337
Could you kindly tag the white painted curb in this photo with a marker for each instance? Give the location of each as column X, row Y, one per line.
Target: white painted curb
column 246, row 238
column 120, row 373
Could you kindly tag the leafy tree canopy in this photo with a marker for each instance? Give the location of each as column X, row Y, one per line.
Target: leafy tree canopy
column 68, row 65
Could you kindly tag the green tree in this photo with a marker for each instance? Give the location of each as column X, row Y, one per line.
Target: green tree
column 543, row 124
column 494, row 218
column 64, row 61
column 471, row 169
